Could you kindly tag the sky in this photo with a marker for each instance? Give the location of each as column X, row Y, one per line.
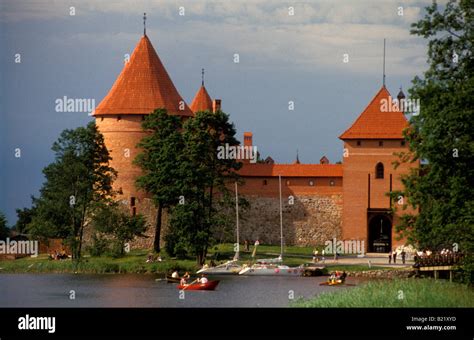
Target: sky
column 324, row 56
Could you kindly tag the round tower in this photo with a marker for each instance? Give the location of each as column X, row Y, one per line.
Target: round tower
column 142, row 86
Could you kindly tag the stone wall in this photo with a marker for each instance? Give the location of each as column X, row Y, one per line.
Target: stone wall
column 310, row 220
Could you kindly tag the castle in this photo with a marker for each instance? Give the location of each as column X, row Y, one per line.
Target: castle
column 346, row 201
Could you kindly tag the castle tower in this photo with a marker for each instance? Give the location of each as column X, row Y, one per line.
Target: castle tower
column 142, row 86
column 368, row 172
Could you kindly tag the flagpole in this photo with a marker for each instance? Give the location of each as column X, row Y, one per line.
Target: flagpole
column 281, row 220
column 237, row 221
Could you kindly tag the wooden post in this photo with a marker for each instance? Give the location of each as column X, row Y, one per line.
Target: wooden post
column 436, row 275
column 450, row 276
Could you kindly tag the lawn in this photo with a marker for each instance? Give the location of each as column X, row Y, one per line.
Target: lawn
column 135, row 261
column 395, row 293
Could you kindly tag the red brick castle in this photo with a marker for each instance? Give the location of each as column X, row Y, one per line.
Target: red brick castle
column 322, row 201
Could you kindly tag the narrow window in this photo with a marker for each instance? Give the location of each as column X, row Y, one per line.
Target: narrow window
column 101, row 119
column 359, row 143
column 132, row 201
column 379, row 170
column 134, row 211
column 119, row 117
column 380, row 143
column 402, row 143
column 264, row 182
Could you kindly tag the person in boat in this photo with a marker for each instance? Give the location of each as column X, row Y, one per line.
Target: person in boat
column 175, row 275
column 343, row 276
column 186, row 275
column 183, row 281
column 203, row 279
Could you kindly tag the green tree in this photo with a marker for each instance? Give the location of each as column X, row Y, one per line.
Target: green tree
column 160, row 161
column 77, row 181
column 25, row 216
column 4, row 230
column 113, row 221
column 204, row 176
column 441, row 135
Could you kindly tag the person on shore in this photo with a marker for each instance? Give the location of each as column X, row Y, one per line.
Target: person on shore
column 403, row 254
column 246, row 245
column 395, row 257
column 175, row 275
column 390, row 257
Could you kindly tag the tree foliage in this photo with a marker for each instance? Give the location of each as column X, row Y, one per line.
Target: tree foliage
column 113, row 221
column 160, row 161
column 184, row 174
column 77, row 181
column 441, row 135
column 4, row 230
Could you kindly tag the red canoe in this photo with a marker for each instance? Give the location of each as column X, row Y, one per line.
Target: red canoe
column 210, row 285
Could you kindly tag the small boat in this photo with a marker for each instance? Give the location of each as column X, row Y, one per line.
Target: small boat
column 171, row 279
column 332, row 283
column 209, row 285
column 230, row 267
column 271, row 269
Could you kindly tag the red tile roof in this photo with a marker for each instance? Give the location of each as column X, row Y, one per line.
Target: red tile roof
column 202, row 101
column 291, row 170
column 143, row 86
column 375, row 124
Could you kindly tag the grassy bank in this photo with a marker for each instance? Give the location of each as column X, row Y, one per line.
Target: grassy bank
column 396, row 293
column 135, row 261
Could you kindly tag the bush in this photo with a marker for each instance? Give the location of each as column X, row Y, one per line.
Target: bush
column 99, row 246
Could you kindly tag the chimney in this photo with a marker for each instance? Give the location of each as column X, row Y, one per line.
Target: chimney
column 248, row 139
column 216, row 105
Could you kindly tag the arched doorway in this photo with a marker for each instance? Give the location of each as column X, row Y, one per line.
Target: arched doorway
column 380, row 234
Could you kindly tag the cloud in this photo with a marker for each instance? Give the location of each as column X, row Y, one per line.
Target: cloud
column 315, row 37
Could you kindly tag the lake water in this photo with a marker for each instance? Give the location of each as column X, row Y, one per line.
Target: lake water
column 129, row 290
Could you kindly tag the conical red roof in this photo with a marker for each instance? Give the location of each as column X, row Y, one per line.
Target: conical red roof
column 202, row 101
column 143, row 86
column 378, row 121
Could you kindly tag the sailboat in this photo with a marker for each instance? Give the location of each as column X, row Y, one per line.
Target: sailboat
column 232, row 266
column 270, row 266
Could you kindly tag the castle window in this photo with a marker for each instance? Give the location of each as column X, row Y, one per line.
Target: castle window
column 311, row 183
column 132, row 201
column 380, row 143
column 143, row 117
column 402, row 143
column 332, row 183
column 134, row 211
column 379, row 170
column 264, row 182
column 359, row 143
column 119, row 118
column 101, row 119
